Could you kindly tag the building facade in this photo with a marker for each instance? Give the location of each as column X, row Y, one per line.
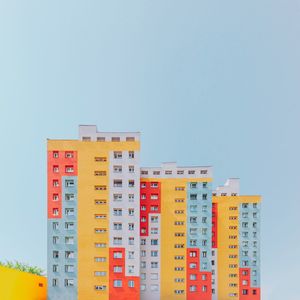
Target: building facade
column 119, row 231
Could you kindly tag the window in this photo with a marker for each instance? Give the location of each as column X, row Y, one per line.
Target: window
column 69, row 254
column 100, row 245
column 180, row 172
column 154, row 208
column 131, row 211
column 100, row 216
column 55, row 225
column 131, row 169
column 117, row 212
column 100, row 139
column 117, row 197
column 69, row 268
column 69, row 240
column 154, row 230
column 100, row 273
column 179, row 188
column 115, row 139
column 55, row 240
column 131, row 226
column 69, row 183
column 55, row 268
column 130, row 269
column 193, row 253
column 155, row 172
column 100, row 173
column 131, row 254
column 100, row 159
column 131, row 154
column 131, row 197
column 117, row 154
column 117, row 241
column 154, row 184
column 86, row 138
column 142, row 287
column 100, row 202
column 118, row 283
column 193, row 265
column 55, row 154
column 69, row 169
column 55, row 183
column 193, row 185
column 69, row 226
column 154, row 242
column 54, row 282
column 69, row 211
column 55, row 254
column 117, row 169
column 117, row 226
column 168, row 172
column 131, row 283
column 193, row 196
column 55, row 197
column 154, row 287
column 118, row 254
column 118, row 269
column 131, row 183
column 193, row 288
column 117, row 183
column 69, row 197
column 100, row 287
column 55, row 212
column 131, row 241
column 245, row 292
column 55, row 169
column 204, row 185
column 154, row 219
column 193, row 220
column 100, row 230
column 204, row 277
column 154, row 265
column 100, row 259
column 154, row 253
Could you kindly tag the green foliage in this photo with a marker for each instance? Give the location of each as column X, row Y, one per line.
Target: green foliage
column 23, row 267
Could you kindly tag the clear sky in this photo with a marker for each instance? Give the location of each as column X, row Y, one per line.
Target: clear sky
column 206, row 82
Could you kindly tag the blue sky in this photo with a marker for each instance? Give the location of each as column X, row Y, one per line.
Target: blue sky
column 206, row 82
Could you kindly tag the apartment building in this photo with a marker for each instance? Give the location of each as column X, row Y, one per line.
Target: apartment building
column 119, row 231
column 236, row 243
column 93, row 216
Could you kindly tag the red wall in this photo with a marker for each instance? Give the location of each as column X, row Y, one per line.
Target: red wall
column 250, row 295
column 148, row 202
column 214, row 225
column 199, row 294
column 61, row 162
column 124, row 292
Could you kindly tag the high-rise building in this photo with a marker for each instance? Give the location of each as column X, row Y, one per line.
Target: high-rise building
column 236, row 243
column 118, row 231
column 93, row 216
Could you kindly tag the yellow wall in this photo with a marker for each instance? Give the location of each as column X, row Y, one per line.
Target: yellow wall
column 87, row 151
column 168, row 238
column 16, row 285
column 224, row 212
